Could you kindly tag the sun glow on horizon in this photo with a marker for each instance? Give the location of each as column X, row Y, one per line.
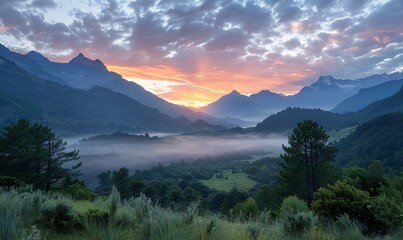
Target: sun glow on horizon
column 173, row 85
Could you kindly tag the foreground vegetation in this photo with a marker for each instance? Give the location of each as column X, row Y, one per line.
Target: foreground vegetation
column 300, row 196
column 27, row 214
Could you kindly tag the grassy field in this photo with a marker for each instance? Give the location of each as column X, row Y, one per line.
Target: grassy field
column 336, row 135
column 229, row 181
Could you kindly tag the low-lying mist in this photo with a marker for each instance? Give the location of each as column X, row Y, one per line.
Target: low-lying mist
column 104, row 155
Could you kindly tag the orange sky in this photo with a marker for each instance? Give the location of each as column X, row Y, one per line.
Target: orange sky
column 202, row 88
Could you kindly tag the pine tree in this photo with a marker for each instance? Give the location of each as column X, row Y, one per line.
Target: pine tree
column 34, row 154
column 306, row 159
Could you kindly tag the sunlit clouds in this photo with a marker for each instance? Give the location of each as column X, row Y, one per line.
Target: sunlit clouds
column 193, row 52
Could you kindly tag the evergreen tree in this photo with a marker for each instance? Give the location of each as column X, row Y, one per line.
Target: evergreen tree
column 34, row 154
column 306, row 161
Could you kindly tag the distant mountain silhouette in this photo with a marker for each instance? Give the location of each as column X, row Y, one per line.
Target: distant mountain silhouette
column 70, row 110
column 285, row 120
column 325, row 94
column 366, row 96
column 84, row 73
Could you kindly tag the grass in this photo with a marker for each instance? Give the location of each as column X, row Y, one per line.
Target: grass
column 139, row 219
column 229, row 181
column 336, row 135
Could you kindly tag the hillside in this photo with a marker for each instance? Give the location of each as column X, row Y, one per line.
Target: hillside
column 285, row 120
column 288, row 119
column 84, row 73
column 71, row 110
column 378, row 139
column 325, row 94
column 367, row 96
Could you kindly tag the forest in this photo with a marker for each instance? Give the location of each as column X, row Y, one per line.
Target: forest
column 305, row 193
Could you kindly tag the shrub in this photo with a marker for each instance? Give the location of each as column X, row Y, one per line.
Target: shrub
column 387, row 214
column 380, row 214
column 59, row 218
column 114, row 201
column 339, row 199
column 96, row 216
column 292, row 205
column 9, row 182
column 79, row 192
column 246, row 209
column 296, row 224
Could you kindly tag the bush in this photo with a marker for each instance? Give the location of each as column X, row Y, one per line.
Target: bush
column 246, row 209
column 380, row 214
column 339, row 199
column 59, row 218
column 296, row 224
column 292, row 205
column 79, row 192
column 9, row 182
column 96, row 216
column 387, row 214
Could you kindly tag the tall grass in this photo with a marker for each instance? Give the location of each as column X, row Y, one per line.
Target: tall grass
column 22, row 215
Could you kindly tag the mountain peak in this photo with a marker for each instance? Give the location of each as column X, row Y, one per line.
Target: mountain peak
column 80, row 59
column 36, row 56
column 235, row 93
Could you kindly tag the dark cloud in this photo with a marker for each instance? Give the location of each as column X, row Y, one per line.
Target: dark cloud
column 292, row 43
column 43, row 3
column 236, row 37
column 289, row 13
column 341, row 24
column 251, row 17
column 228, row 40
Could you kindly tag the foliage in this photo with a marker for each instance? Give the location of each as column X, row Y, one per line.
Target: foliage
column 247, row 209
column 296, row 224
column 34, row 154
column 307, row 157
column 293, row 205
column 79, row 191
column 8, row 182
column 379, row 139
column 59, row 218
column 380, row 214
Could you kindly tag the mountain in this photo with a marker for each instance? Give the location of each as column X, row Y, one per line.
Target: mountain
column 325, row 94
column 70, row 110
column 366, row 96
column 393, row 103
column 287, row 119
column 378, row 139
column 28, row 64
column 84, row 73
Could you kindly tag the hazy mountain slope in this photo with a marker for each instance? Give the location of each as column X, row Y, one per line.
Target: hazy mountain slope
column 288, row 119
column 85, row 73
column 28, row 64
column 97, row 109
column 325, row 93
column 393, row 103
column 378, row 139
column 366, row 96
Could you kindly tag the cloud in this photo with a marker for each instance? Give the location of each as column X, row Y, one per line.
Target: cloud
column 43, row 4
column 214, row 46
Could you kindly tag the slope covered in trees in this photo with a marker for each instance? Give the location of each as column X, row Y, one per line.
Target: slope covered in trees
column 378, row 139
column 77, row 111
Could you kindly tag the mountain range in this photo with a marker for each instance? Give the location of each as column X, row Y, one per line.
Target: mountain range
column 285, row 120
column 70, row 110
column 325, row 94
column 84, row 73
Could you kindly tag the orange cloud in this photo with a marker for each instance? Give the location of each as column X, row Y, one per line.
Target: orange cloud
column 206, row 85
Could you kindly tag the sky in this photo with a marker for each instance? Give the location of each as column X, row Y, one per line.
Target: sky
column 193, row 52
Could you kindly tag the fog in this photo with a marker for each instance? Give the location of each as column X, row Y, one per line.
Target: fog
column 99, row 156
